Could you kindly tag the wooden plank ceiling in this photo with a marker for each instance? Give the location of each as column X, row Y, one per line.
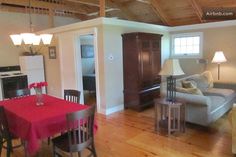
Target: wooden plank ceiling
column 164, row 12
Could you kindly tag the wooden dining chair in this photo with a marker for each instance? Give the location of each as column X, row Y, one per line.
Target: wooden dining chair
column 80, row 134
column 72, row 95
column 19, row 93
column 5, row 135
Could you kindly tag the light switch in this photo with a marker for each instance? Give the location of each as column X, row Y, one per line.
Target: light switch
column 111, row 57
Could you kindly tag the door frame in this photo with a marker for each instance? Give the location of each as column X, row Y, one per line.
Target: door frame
column 78, row 61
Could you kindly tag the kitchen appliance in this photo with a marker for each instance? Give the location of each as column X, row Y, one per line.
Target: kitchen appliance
column 33, row 66
column 11, row 79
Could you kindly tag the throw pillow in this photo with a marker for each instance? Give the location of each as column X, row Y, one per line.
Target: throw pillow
column 188, row 84
column 201, row 81
column 194, row 91
column 209, row 78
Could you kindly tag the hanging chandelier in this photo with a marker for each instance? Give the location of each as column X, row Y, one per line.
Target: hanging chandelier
column 31, row 39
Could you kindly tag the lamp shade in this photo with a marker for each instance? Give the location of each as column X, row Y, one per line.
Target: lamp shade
column 46, row 38
column 171, row 67
column 27, row 38
column 219, row 57
column 16, row 39
column 36, row 40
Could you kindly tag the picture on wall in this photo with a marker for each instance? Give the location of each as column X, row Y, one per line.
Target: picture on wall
column 52, row 52
column 87, row 51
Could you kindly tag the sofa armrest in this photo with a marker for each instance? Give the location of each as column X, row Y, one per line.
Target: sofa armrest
column 194, row 99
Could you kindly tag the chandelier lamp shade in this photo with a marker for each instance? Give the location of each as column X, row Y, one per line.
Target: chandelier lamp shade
column 46, row 38
column 30, row 39
column 16, row 39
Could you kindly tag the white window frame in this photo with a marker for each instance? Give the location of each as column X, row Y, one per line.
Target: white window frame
column 199, row 55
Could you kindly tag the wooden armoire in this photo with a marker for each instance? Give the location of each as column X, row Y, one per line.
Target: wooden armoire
column 141, row 65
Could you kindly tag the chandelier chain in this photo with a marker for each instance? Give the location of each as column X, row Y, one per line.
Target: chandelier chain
column 30, row 18
column 30, row 39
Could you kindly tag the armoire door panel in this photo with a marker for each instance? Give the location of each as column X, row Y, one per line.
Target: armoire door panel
column 146, row 63
column 142, row 63
column 130, row 62
column 155, row 45
column 156, row 67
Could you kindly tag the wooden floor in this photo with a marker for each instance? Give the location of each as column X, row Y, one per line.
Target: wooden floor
column 131, row 134
column 89, row 98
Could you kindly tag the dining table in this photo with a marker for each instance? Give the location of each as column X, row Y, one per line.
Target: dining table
column 32, row 123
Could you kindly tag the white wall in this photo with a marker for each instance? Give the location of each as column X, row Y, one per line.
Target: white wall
column 12, row 23
column 67, row 48
column 110, row 44
column 52, row 70
column 70, row 62
column 191, row 66
column 114, row 68
column 214, row 39
column 109, row 73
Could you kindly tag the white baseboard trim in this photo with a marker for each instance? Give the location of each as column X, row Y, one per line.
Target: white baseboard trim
column 112, row 109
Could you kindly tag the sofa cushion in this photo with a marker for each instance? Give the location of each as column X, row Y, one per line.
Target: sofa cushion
column 203, row 80
column 209, row 78
column 216, row 103
column 188, row 84
column 226, row 93
column 195, row 90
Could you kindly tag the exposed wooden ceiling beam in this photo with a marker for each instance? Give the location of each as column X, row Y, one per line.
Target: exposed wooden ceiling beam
column 107, row 10
column 102, row 12
column 144, row 1
column 158, row 10
column 45, row 5
column 85, row 2
column 51, row 19
column 197, row 9
column 109, row 5
column 127, row 13
column 95, row 4
column 4, row 8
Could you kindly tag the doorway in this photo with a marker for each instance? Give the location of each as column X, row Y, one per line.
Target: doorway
column 87, row 50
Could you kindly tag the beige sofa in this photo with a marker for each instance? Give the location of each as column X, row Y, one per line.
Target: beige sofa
column 210, row 105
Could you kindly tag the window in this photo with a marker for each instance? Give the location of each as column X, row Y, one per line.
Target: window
column 187, row 45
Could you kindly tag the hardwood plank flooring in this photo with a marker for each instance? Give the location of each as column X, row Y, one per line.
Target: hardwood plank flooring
column 131, row 134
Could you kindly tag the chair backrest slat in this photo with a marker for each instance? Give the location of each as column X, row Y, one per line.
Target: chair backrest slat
column 88, row 127
column 79, row 139
column 74, row 136
column 4, row 130
column 72, row 95
column 80, row 128
column 19, row 93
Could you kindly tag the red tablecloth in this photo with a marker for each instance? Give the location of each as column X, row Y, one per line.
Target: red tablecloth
column 33, row 123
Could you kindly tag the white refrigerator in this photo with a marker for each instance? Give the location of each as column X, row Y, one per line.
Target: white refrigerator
column 33, row 67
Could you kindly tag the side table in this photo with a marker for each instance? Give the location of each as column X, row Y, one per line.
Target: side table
column 171, row 114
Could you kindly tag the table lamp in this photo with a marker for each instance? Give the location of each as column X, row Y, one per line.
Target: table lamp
column 171, row 68
column 219, row 58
